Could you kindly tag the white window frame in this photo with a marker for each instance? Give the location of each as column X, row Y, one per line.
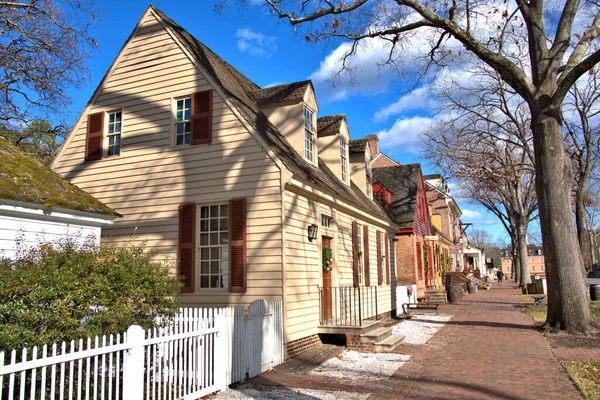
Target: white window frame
column 222, row 246
column 326, row 221
column 184, row 121
column 344, row 159
column 309, row 135
column 361, row 251
column 108, row 135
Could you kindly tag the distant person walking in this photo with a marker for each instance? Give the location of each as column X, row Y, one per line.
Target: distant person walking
column 500, row 276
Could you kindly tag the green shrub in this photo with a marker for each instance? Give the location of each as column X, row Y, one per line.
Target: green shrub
column 64, row 291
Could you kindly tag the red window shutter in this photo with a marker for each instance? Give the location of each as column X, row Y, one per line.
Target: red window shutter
column 366, row 255
column 419, row 262
column 237, row 245
column 355, row 254
column 379, row 266
column 187, row 246
column 202, row 117
column 94, row 136
column 387, row 259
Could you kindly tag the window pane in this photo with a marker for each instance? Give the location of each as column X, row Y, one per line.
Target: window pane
column 224, row 253
column 179, row 140
column 214, row 281
column 204, row 225
column 214, row 211
column 214, row 225
column 223, row 224
column 188, row 102
column 224, row 237
column 186, row 139
column 186, row 115
column 118, row 127
column 204, row 281
column 214, row 253
column 204, row 212
column 224, row 210
column 214, row 239
column 111, row 128
column 214, row 267
column 118, row 118
column 179, row 129
column 204, row 268
column 111, row 118
column 204, row 239
column 204, row 253
column 188, row 127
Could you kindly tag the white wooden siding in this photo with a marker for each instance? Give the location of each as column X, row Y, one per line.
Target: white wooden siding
column 151, row 177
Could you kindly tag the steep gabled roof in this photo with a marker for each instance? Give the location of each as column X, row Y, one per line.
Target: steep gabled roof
column 403, row 182
column 24, row 179
column 288, row 92
column 241, row 91
column 329, row 125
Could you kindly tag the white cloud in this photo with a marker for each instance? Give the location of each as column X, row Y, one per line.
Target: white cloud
column 419, row 99
column 471, row 215
column 404, row 134
column 255, row 43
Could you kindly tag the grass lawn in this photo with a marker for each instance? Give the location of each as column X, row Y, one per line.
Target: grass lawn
column 586, row 376
column 539, row 313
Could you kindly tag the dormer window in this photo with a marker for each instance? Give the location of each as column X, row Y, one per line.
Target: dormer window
column 344, row 159
column 309, row 135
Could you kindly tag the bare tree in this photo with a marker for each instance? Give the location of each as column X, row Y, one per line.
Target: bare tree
column 486, row 143
column 480, row 238
column 581, row 111
column 43, row 48
column 559, row 39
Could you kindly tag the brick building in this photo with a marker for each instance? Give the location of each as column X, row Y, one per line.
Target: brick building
column 535, row 261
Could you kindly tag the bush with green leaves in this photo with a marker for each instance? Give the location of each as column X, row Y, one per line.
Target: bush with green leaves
column 65, row 291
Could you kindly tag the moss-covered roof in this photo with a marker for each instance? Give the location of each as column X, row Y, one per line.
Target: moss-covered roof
column 24, row 179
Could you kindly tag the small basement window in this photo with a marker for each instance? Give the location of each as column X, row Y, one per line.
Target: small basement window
column 326, row 221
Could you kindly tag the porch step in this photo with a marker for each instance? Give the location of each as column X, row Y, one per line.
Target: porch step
column 367, row 326
column 388, row 344
column 436, row 296
column 376, row 335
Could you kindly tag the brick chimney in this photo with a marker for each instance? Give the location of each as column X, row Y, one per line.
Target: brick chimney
column 373, row 141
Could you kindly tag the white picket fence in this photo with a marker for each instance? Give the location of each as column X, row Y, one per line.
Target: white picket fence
column 184, row 360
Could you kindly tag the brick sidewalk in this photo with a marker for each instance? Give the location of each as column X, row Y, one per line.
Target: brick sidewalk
column 489, row 350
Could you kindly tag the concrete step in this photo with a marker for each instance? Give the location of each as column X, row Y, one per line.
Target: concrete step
column 376, row 335
column 388, row 344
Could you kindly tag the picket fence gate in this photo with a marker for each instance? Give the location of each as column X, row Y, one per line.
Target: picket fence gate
column 183, row 360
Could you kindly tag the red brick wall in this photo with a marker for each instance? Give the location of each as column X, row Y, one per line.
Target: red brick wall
column 406, row 270
column 383, row 161
column 295, row 347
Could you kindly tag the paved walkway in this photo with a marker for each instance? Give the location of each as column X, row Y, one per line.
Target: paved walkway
column 489, row 350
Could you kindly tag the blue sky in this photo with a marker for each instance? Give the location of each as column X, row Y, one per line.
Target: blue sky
column 269, row 52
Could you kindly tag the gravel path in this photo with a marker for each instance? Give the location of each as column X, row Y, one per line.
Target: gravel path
column 352, row 366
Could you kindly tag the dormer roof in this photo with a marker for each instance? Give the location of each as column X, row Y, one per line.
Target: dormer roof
column 358, row 146
column 330, row 125
column 290, row 92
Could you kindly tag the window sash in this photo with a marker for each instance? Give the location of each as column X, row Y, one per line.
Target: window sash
column 114, row 133
column 344, row 159
column 213, row 246
column 308, row 145
column 183, row 121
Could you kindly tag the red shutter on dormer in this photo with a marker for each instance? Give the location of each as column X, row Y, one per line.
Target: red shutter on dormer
column 94, row 136
column 187, row 243
column 366, row 255
column 202, row 117
column 366, row 263
column 387, row 259
column 237, row 245
column 355, row 282
column 379, row 266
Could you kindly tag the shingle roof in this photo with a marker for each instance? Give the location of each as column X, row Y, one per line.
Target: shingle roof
column 288, row 92
column 329, row 125
column 241, row 92
column 403, row 182
column 24, row 179
column 358, row 146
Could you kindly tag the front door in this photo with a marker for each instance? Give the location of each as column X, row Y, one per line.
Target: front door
column 327, row 305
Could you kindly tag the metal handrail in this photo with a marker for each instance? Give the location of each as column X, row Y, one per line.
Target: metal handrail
column 348, row 305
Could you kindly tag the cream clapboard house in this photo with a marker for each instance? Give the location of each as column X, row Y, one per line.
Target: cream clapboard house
column 226, row 178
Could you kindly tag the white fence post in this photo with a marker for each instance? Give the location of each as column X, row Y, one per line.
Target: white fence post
column 133, row 368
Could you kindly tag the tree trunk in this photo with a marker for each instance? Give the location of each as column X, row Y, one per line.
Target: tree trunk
column 568, row 308
column 516, row 259
column 521, row 229
column 582, row 234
